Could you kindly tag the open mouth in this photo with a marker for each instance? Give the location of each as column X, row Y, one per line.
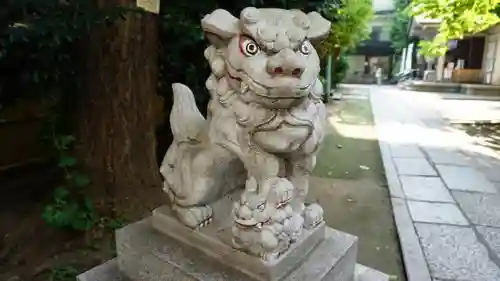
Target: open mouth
column 250, row 224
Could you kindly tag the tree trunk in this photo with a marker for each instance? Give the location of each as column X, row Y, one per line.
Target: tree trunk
column 119, row 112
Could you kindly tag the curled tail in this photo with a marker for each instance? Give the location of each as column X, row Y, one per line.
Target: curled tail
column 186, row 123
column 186, row 120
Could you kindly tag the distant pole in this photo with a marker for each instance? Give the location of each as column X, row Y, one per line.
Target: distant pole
column 328, row 78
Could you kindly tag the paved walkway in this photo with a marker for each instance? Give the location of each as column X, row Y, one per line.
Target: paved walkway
column 444, row 190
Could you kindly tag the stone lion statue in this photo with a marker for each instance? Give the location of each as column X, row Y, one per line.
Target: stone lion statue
column 264, row 125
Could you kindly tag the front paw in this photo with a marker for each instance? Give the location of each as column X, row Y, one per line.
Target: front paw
column 194, row 217
column 270, row 257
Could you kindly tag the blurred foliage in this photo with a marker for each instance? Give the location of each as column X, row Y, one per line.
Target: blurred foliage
column 339, row 69
column 70, row 208
column 350, row 26
column 63, row 273
column 40, row 53
column 41, row 48
column 400, row 25
column 459, row 18
column 39, row 45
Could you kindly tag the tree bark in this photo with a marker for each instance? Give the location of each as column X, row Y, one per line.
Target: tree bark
column 119, row 112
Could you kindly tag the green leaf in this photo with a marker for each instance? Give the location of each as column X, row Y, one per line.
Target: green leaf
column 67, row 161
column 61, row 193
column 65, row 141
column 459, row 18
column 350, row 25
column 80, row 180
column 88, row 204
column 63, row 273
column 115, row 224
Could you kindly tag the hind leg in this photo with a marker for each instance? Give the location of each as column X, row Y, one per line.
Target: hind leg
column 195, row 181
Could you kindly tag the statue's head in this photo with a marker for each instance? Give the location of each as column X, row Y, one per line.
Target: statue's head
column 257, row 207
column 268, row 52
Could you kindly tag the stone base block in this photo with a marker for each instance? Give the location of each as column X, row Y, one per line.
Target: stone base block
column 144, row 254
column 109, row 272
column 363, row 273
column 214, row 241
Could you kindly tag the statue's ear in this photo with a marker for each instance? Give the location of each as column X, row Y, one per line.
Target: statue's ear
column 319, row 26
column 220, row 26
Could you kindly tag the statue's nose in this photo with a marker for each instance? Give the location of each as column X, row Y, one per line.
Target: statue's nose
column 286, row 62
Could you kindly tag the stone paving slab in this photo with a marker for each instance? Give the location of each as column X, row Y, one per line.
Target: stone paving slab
column 492, row 236
column 436, row 213
column 391, row 173
column 415, row 264
column 425, row 189
column 446, row 156
column 406, row 151
column 481, row 209
column 449, row 253
column 465, row 179
column 414, row 167
column 489, row 165
column 454, row 253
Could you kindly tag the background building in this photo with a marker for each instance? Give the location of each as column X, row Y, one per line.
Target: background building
column 376, row 51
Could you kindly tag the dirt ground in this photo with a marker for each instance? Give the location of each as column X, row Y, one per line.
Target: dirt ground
column 349, row 183
column 29, row 248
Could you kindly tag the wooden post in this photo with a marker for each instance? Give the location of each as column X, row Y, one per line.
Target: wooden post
column 118, row 113
column 328, row 78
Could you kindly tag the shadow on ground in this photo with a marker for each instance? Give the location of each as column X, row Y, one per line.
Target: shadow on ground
column 349, row 183
column 485, row 134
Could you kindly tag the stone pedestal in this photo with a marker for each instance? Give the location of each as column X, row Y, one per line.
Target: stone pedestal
column 146, row 254
column 214, row 241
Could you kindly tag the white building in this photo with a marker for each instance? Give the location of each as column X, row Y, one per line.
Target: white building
column 376, row 51
column 472, row 63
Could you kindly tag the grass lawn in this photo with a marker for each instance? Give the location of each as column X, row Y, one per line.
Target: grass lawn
column 349, row 183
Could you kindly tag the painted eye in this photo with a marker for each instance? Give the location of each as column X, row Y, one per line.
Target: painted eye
column 305, row 48
column 248, row 47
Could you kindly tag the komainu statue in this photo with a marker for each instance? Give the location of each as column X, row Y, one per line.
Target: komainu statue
column 263, row 128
